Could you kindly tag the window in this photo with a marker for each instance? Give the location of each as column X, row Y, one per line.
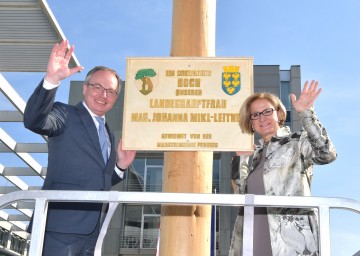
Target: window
column 142, row 222
column 285, row 99
column 146, row 175
column 4, row 235
column 17, row 244
column 141, row 229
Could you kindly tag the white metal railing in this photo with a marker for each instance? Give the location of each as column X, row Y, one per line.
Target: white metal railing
column 249, row 201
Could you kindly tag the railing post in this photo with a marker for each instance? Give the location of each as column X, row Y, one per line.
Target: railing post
column 324, row 230
column 38, row 227
column 104, row 228
column 248, row 232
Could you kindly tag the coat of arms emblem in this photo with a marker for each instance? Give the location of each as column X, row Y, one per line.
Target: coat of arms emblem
column 231, row 80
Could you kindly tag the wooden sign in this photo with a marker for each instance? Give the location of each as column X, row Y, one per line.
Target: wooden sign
column 188, row 104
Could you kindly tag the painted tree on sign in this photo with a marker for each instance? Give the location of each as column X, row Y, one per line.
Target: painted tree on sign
column 144, row 75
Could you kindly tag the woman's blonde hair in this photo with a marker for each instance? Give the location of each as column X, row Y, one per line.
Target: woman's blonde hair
column 245, row 121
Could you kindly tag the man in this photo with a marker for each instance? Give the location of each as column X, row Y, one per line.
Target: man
column 81, row 155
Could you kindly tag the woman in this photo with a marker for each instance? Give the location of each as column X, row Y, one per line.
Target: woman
column 282, row 166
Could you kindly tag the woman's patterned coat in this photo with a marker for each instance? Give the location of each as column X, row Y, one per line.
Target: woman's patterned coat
column 288, row 172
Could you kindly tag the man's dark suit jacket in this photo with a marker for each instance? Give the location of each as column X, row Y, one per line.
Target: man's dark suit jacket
column 74, row 159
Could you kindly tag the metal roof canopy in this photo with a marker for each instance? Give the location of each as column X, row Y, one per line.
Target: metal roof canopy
column 28, row 32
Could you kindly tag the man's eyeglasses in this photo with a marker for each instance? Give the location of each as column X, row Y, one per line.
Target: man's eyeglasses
column 98, row 88
column 265, row 112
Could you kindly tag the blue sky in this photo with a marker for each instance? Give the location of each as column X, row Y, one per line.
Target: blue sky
column 322, row 36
